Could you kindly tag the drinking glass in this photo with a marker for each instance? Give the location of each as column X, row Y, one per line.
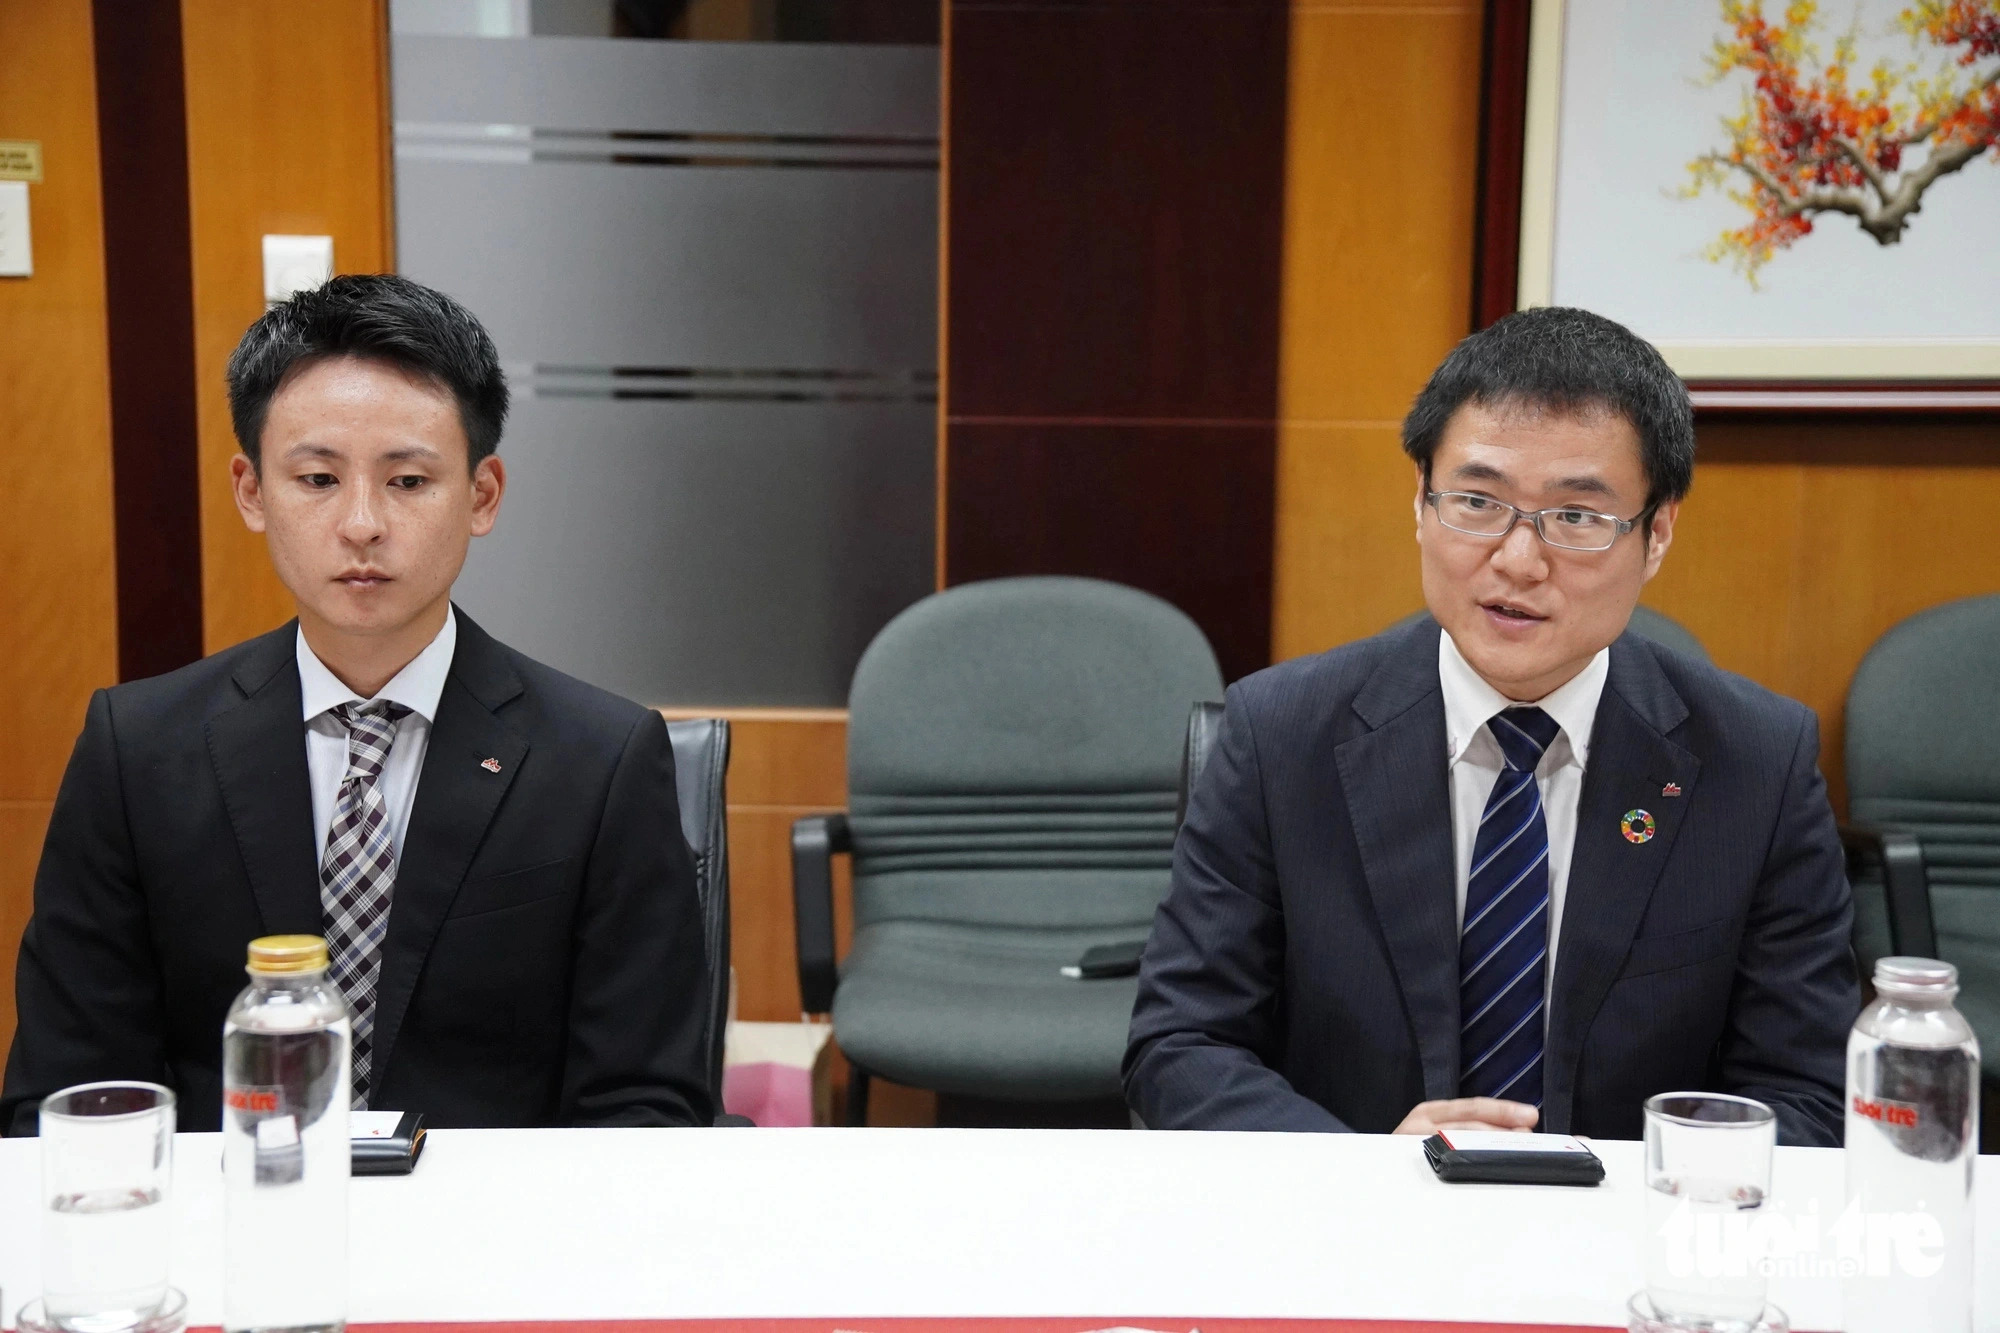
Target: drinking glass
column 1708, row 1171
column 107, row 1169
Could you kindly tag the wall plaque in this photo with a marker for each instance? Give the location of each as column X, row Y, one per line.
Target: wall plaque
column 20, row 160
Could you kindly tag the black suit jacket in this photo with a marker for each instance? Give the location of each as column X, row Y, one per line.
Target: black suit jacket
column 544, row 959
column 1302, row 972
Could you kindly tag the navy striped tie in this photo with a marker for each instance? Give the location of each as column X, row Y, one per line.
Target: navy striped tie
column 1504, row 947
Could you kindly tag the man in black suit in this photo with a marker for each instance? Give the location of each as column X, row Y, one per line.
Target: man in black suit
column 1512, row 866
column 492, row 849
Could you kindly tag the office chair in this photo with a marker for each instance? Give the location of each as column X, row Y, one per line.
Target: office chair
column 1013, row 750
column 1923, row 733
column 701, row 770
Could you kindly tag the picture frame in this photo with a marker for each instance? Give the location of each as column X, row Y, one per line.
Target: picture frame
column 1632, row 249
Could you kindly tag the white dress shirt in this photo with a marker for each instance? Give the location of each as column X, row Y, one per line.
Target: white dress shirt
column 1475, row 761
column 417, row 687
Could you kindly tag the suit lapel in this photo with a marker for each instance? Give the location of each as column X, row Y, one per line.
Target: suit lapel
column 457, row 795
column 1399, row 804
column 258, row 750
column 1611, row 877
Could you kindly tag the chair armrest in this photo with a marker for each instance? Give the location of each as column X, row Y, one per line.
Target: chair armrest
column 815, row 839
column 1203, row 728
column 1906, row 884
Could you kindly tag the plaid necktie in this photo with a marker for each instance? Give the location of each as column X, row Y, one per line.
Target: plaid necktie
column 358, row 872
column 1504, row 947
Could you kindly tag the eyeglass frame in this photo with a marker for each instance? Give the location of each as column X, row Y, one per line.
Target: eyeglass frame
column 1535, row 516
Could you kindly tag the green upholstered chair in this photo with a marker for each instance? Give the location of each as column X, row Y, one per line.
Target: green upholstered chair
column 1645, row 621
column 1923, row 783
column 1013, row 756
column 1666, row 632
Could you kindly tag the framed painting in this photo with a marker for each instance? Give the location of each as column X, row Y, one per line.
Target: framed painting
column 1798, row 203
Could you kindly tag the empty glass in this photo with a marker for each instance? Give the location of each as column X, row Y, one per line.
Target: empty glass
column 1708, row 1171
column 107, row 1169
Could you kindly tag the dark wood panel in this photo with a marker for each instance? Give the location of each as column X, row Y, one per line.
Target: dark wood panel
column 1184, row 512
column 1115, row 186
column 1503, row 119
column 149, row 313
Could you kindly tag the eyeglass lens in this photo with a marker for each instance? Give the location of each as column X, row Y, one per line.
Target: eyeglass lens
column 1481, row 515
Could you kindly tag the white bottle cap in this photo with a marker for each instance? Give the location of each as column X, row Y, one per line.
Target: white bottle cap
column 1916, row 978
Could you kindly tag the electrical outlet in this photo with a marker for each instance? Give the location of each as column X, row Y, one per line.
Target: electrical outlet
column 295, row 264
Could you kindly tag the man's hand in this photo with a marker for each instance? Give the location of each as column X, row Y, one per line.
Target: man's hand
column 1469, row 1113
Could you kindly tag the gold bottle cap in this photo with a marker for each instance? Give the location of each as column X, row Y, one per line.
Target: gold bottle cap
column 287, row 955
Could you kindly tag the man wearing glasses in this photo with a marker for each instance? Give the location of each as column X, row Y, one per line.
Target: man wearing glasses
column 1509, row 867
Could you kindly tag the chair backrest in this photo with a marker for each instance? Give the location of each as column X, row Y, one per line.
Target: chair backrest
column 1666, row 632
column 1646, row 622
column 701, row 771
column 1014, row 751
column 1923, row 730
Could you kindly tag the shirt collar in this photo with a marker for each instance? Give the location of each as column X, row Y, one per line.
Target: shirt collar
column 1469, row 702
column 418, row 686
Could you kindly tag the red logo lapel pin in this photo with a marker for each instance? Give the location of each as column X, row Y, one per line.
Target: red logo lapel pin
column 490, row 765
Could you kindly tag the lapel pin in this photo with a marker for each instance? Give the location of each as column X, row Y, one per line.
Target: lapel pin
column 1637, row 826
column 1671, row 789
column 493, row 766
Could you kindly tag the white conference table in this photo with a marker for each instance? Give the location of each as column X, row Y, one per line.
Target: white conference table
column 628, row 1224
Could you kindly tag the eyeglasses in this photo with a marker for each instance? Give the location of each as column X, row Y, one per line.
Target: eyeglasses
column 1571, row 528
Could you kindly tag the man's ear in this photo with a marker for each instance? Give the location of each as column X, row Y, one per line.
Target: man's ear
column 1423, row 489
column 248, row 488
column 489, row 485
column 1660, row 535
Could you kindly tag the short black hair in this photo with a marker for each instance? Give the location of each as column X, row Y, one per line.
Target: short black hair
column 382, row 317
column 1561, row 359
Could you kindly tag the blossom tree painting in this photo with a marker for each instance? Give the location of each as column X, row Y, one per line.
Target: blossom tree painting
column 1818, row 138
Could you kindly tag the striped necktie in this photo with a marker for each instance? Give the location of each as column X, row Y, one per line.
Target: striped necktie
column 1504, row 947
column 358, row 873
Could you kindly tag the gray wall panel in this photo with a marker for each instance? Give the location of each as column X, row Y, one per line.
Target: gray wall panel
column 711, row 271
column 580, row 83
column 707, row 553
column 739, row 268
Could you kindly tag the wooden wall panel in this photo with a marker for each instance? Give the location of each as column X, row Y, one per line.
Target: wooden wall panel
column 1346, row 561
column 58, row 605
column 1182, row 511
column 1115, row 168
column 1804, row 540
column 1381, row 155
column 1113, row 185
column 1380, row 164
column 288, row 131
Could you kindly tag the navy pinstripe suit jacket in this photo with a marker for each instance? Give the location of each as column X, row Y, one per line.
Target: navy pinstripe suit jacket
column 1302, row 972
